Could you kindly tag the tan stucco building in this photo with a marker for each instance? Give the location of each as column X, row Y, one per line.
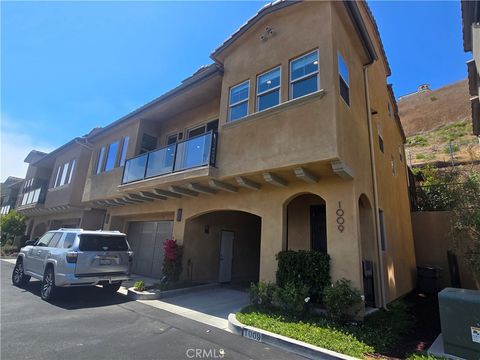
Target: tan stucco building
column 289, row 140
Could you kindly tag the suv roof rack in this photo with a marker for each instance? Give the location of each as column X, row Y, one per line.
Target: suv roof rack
column 64, row 229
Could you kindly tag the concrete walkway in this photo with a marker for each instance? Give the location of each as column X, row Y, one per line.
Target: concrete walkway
column 210, row 307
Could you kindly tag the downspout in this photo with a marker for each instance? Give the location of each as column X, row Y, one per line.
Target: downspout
column 373, row 169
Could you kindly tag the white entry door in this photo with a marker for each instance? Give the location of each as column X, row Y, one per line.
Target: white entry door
column 226, row 255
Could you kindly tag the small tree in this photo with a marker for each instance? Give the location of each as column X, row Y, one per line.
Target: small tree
column 12, row 224
column 466, row 223
column 172, row 261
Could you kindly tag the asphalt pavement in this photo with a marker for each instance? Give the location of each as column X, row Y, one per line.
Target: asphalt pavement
column 85, row 323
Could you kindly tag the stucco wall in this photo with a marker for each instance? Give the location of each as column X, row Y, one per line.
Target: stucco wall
column 431, row 230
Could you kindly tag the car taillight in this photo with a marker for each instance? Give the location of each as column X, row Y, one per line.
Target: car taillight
column 130, row 256
column 72, row 257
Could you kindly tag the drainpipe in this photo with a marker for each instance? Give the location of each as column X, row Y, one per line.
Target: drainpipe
column 373, row 169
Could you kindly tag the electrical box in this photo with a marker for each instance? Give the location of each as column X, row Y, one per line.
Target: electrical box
column 460, row 319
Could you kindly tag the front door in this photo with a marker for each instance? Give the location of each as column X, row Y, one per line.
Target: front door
column 226, row 256
column 318, row 228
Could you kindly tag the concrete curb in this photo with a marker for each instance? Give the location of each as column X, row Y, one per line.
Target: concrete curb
column 295, row 346
column 143, row 295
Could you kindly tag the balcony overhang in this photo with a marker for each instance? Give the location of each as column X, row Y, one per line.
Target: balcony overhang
column 178, row 178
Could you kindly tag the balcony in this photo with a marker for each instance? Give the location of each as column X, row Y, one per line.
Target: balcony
column 193, row 153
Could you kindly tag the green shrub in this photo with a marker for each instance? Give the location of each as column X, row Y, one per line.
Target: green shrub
column 453, row 149
column 452, row 132
column 291, row 298
column 417, row 140
column 139, row 285
column 304, row 268
column 261, row 294
column 342, row 301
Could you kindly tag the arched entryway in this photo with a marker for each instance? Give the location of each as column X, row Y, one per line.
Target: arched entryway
column 222, row 246
column 369, row 252
column 306, row 219
column 39, row 230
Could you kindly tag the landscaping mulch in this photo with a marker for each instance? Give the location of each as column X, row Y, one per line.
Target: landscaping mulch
column 425, row 330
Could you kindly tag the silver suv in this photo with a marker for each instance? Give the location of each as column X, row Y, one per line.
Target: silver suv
column 74, row 257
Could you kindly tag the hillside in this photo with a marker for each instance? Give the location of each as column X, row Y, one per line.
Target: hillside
column 438, row 126
column 428, row 110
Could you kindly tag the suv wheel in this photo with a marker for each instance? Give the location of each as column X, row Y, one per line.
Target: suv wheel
column 47, row 292
column 18, row 276
column 111, row 288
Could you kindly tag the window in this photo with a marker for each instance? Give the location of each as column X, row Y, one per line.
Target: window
column 123, row 156
column 63, row 178
column 69, row 239
column 101, row 155
column 304, row 78
column 400, row 153
column 57, row 177
column 238, row 103
column 344, row 80
column 268, row 89
column 93, row 242
column 149, row 143
column 111, row 156
column 381, row 144
column 172, row 139
column 212, row 125
column 45, row 239
column 383, row 233
column 72, row 167
column 389, row 108
column 55, row 239
column 394, row 166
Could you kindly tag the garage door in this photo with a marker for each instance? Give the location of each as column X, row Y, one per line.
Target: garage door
column 146, row 240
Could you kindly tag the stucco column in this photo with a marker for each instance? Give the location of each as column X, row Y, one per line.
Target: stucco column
column 343, row 246
column 179, row 230
column 271, row 242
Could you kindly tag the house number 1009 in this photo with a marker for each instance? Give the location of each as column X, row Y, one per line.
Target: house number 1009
column 340, row 218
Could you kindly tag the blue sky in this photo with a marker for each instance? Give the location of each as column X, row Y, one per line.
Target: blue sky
column 67, row 67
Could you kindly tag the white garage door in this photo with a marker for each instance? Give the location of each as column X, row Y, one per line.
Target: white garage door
column 146, row 239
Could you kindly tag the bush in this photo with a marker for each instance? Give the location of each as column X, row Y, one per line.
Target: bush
column 11, row 225
column 261, row 294
column 172, row 261
column 342, row 301
column 8, row 249
column 304, row 268
column 291, row 298
column 139, row 285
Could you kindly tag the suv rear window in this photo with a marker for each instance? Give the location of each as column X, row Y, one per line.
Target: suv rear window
column 94, row 242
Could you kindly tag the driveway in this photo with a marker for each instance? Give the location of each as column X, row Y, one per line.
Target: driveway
column 85, row 324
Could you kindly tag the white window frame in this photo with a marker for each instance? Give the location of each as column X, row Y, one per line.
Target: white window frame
column 315, row 73
column 99, row 168
column 347, row 82
column 238, row 102
column 279, row 88
column 124, row 151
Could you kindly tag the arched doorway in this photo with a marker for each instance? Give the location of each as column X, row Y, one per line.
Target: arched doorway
column 39, row 230
column 369, row 250
column 306, row 223
column 222, row 246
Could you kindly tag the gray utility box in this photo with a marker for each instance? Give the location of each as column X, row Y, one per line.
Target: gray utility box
column 460, row 319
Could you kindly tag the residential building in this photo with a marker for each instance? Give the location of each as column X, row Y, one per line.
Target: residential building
column 289, row 140
column 9, row 192
column 51, row 193
column 471, row 43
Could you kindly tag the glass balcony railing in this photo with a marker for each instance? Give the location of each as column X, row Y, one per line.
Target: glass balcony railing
column 194, row 152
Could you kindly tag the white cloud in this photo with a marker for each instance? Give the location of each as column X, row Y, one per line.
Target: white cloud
column 14, row 148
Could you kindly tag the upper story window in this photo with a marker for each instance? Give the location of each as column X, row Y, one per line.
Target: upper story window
column 112, row 155
column 123, row 156
column 64, row 174
column 304, row 75
column 238, row 102
column 268, row 89
column 389, row 109
column 101, row 155
column 344, row 82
